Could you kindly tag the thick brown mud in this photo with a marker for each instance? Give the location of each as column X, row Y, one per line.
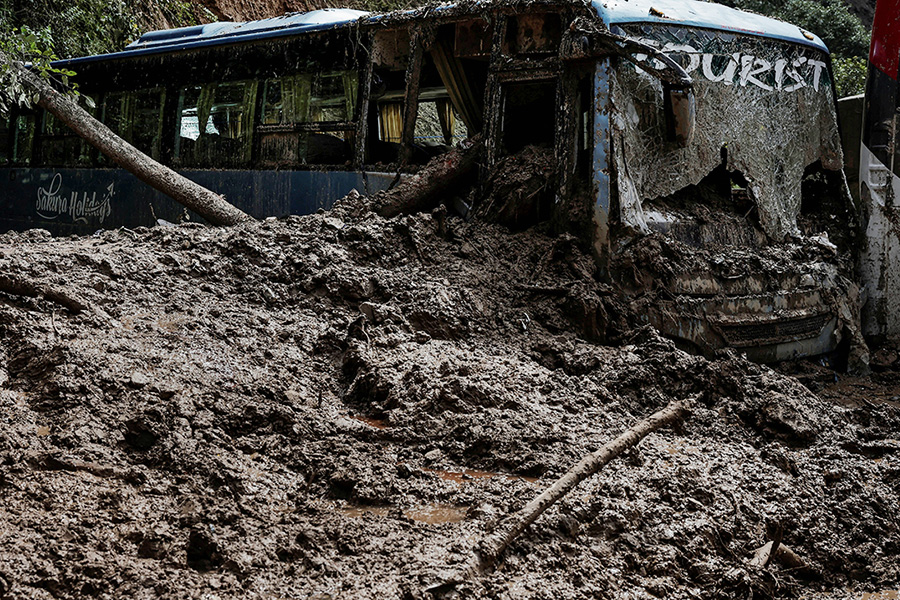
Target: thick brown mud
column 339, row 406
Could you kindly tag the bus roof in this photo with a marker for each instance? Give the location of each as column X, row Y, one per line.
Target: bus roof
column 695, row 13
column 708, row 15
column 285, row 24
column 228, row 32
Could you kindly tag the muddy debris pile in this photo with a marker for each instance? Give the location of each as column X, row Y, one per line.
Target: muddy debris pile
column 520, row 189
column 340, row 406
column 657, row 270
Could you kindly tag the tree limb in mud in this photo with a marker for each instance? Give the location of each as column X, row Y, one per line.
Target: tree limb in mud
column 207, row 204
column 18, row 286
column 493, row 545
column 438, row 178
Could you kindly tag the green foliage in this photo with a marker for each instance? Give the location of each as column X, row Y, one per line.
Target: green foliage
column 841, row 31
column 850, row 75
column 182, row 13
column 25, row 45
column 85, row 27
column 831, row 20
column 40, row 31
column 77, row 27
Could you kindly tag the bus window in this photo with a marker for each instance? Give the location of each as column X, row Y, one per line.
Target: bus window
column 137, row 118
column 437, row 124
column 533, row 34
column 188, row 126
column 23, row 139
column 60, row 146
column 115, row 112
column 448, row 83
column 226, row 138
column 390, row 119
column 214, row 125
column 286, row 100
column 333, row 97
column 386, row 122
column 147, row 119
column 114, row 115
column 438, row 127
column 308, row 119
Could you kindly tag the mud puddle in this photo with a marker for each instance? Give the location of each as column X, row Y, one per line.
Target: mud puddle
column 370, row 421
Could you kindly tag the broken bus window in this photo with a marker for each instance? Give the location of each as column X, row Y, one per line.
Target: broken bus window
column 214, row 124
column 308, row 118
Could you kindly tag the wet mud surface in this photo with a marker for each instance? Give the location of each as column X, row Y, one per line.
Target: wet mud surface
column 340, row 406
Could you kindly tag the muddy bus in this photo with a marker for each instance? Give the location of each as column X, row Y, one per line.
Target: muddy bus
column 694, row 147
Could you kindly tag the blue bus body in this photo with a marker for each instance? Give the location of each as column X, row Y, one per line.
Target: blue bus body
column 78, row 201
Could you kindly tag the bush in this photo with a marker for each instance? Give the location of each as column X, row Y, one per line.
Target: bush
column 831, row 20
column 849, row 75
column 85, row 27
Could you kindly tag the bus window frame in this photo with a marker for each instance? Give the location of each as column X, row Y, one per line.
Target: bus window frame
column 16, row 159
column 202, row 145
column 157, row 150
column 304, row 129
column 41, row 139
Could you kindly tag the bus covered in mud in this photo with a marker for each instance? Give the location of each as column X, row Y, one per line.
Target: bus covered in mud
column 694, row 146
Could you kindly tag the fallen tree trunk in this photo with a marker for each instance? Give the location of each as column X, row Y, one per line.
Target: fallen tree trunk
column 209, row 205
column 492, row 546
column 438, row 178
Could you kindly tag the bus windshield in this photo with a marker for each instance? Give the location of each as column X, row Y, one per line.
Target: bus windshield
column 764, row 114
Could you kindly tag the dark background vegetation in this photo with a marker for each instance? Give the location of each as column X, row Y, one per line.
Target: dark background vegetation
column 81, row 27
column 845, row 27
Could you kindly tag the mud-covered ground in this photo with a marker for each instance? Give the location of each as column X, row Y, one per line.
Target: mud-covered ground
column 340, row 406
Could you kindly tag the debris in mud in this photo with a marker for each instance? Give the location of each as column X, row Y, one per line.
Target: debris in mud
column 519, row 192
column 271, row 410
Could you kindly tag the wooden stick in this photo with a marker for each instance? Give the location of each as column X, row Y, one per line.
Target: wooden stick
column 492, row 546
